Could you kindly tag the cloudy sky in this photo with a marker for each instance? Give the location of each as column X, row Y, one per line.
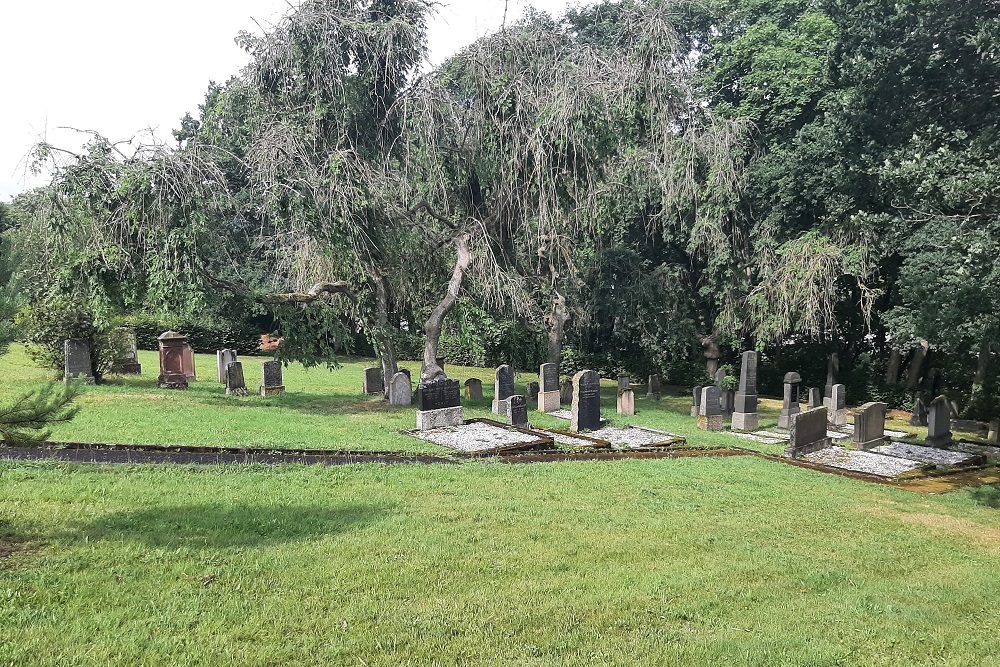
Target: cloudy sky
column 118, row 66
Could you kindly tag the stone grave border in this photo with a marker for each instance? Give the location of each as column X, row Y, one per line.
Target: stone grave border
column 541, row 442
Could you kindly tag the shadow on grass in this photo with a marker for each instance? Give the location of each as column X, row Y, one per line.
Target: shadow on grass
column 987, row 495
column 222, row 526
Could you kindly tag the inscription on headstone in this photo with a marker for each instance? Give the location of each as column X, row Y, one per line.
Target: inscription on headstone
column 374, row 383
column 503, row 388
column 443, row 393
column 869, row 426
column 272, row 382
column 548, row 376
column 76, row 357
column 400, row 390
column 710, row 409
column 517, row 411
column 586, row 409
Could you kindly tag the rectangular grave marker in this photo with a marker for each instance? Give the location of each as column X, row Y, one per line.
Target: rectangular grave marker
column 77, row 364
column 869, row 426
column 808, row 433
column 586, row 410
column 374, row 383
column 272, row 382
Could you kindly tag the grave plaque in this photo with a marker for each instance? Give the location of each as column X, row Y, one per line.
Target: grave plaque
column 439, row 404
column 696, row 401
column 533, row 391
column 653, row 387
column 76, row 356
column 939, row 423
column 222, row 359
column 626, row 402
column 126, row 353
column 548, row 377
column 517, row 411
column 918, row 416
column 838, row 405
column 745, row 417
column 374, row 383
column 474, row 389
column 503, row 388
column 400, row 390
column 710, row 409
column 815, row 398
column 172, row 346
column 235, row 382
column 808, row 433
column 869, row 426
column 790, row 403
column 586, row 409
column 272, row 383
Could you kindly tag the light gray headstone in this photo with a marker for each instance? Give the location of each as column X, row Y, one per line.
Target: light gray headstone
column 869, row 425
column 400, row 390
column 807, row 432
column 815, row 398
column 939, row 422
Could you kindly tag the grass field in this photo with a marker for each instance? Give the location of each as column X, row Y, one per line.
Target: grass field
column 707, row 561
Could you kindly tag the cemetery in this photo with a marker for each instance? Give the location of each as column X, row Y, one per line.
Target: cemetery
column 634, row 333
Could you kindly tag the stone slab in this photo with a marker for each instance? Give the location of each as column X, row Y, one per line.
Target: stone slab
column 548, row 401
column 746, row 421
column 922, row 454
column 635, row 437
column 864, row 462
column 439, row 418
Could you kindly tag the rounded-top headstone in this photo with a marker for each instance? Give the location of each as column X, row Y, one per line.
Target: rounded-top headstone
column 792, row 378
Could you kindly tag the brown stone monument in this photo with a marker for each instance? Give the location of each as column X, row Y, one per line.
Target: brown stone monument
column 172, row 350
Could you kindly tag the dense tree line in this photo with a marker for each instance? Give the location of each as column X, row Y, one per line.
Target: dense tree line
column 635, row 185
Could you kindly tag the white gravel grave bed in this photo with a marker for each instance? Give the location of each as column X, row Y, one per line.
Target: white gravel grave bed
column 631, row 437
column 849, row 428
column 477, row 437
column 859, row 461
column 923, row 454
column 989, row 451
column 759, row 437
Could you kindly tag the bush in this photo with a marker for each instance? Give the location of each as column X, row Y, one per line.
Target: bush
column 206, row 337
column 47, row 326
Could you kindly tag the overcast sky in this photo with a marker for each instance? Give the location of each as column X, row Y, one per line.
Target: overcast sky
column 118, row 66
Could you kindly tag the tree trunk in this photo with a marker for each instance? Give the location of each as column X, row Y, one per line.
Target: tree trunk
column 982, row 365
column 892, row 370
column 556, row 323
column 430, row 370
column 712, row 354
column 915, row 370
column 386, row 346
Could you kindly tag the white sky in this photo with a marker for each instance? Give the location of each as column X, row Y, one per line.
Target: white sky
column 119, row 66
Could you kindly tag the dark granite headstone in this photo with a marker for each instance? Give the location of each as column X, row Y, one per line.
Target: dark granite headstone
column 503, row 386
column 653, row 387
column 869, row 426
column 235, row 382
column 746, row 396
column 272, row 383
column 548, row 376
column 474, row 389
column 76, row 353
column 623, row 382
column 939, row 423
column 532, row 391
column 437, row 394
column 696, row 401
column 374, row 381
column 808, row 432
column 832, row 370
column 517, row 411
column 918, row 415
column 586, row 408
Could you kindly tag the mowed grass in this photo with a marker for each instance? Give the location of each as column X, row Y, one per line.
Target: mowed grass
column 708, row 561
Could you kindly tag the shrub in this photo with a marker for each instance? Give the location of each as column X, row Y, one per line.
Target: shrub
column 46, row 327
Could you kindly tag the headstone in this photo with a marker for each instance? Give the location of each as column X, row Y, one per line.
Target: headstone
column 172, row 346
column 727, row 399
column 235, row 382
column 816, row 398
column 374, row 384
column 187, row 363
column 745, row 417
column 623, row 382
column 474, row 389
column 626, row 402
column 993, row 437
column 918, row 415
column 126, row 360
column 439, row 404
column 869, row 426
column 939, row 423
column 720, row 376
column 837, row 409
column 517, row 411
column 832, row 370
column 548, row 390
column 710, row 409
column 503, row 388
column 272, row 382
column 76, row 359
column 566, row 391
column 808, row 432
column 533, row 391
column 790, row 403
column 696, row 401
column 400, row 390
column 653, row 387
column 586, row 409
column 222, row 359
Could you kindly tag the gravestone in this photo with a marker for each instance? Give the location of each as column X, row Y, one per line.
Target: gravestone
column 187, row 363
column 939, row 423
column 271, row 383
column 503, row 388
column 586, row 408
column 745, row 417
column 720, row 376
column 126, row 360
column 566, row 391
column 517, row 411
column 869, row 426
column 626, row 402
column 832, row 370
column 837, row 409
column 474, row 389
column 653, row 387
column 439, row 404
column 172, row 346
column 400, row 390
column 696, row 401
column 623, row 382
column 815, row 399
column 533, row 391
column 235, row 382
column 727, row 399
column 918, row 415
column 790, row 402
column 549, row 396
column 808, row 432
column 710, row 409
column 76, row 360
column 374, row 383
column 993, row 436
column 222, row 359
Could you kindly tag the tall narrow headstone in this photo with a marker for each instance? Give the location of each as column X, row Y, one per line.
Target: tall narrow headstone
column 548, row 390
column 439, row 404
column 76, row 358
column 532, row 391
column 400, row 390
column 939, row 423
column 918, row 416
column 720, row 377
column 236, row 384
column 869, row 426
column 586, row 409
column 832, row 371
column 807, row 432
column 503, row 388
column 566, row 392
column 222, row 359
column 790, row 403
column 374, row 383
column 272, row 382
column 745, row 417
column 815, row 399
column 474, row 389
column 126, row 360
column 187, row 363
column 710, row 409
column 517, row 411
column 653, row 387
column 696, row 401
column 626, row 402
column 838, row 405
column 172, row 346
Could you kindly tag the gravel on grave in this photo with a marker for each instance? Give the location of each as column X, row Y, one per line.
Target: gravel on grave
column 849, row 428
column 476, row 437
column 861, row 461
column 923, row 454
column 631, row 437
column 759, row 437
column 989, row 451
column 568, row 440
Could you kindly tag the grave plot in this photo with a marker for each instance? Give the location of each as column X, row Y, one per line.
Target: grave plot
column 567, row 439
column 989, row 451
column 923, row 454
column 483, row 437
column 860, row 461
column 849, row 428
column 759, row 436
column 636, row 437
